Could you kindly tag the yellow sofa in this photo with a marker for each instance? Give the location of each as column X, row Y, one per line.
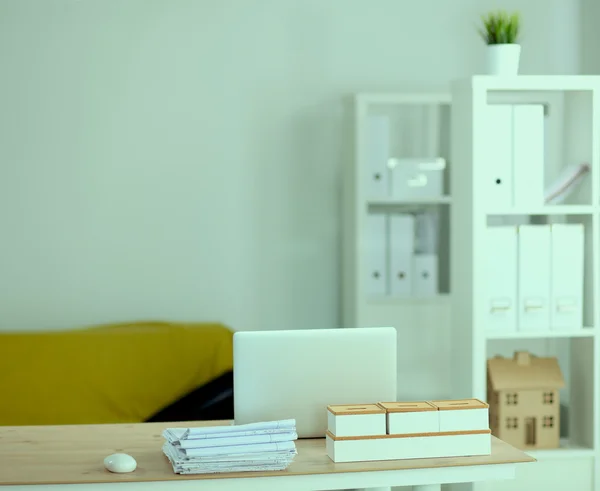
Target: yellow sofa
column 108, row 374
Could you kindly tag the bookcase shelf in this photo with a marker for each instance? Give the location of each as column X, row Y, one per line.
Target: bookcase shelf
column 586, row 332
column 571, row 135
column 441, row 200
column 547, row 210
column 415, row 300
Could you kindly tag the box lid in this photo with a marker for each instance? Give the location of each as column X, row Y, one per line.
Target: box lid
column 407, row 407
column 459, row 404
column 421, row 164
column 344, row 409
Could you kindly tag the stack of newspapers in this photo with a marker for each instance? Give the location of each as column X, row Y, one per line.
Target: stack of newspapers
column 267, row 446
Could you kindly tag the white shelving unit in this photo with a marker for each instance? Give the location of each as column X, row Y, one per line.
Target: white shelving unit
column 572, row 135
column 419, row 128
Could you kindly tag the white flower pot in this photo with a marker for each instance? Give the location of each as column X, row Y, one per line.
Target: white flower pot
column 503, row 59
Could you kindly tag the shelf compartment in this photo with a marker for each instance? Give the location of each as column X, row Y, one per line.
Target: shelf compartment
column 406, row 252
column 588, row 290
column 576, row 358
column 562, row 142
column 389, row 134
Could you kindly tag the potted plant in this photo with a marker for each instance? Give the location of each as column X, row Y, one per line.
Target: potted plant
column 500, row 31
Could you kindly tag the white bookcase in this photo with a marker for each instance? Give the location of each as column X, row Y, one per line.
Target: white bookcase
column 571, row 130
column 419, row 127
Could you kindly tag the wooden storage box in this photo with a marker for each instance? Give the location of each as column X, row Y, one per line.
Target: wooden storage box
column 404, row 418
column 356, row 420
column 462, row 415
column 396, row 447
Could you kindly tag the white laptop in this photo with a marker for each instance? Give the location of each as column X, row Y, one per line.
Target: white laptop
column 296, row 374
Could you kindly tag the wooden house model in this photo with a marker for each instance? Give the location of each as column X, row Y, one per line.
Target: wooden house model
column 524, row 400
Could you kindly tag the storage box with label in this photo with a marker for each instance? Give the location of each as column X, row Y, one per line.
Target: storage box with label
column 417, row 177
column 356, row 420
column 415, row 430
column 404, row 418
column 463, row 415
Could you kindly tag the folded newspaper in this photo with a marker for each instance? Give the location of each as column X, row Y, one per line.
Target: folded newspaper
column 267, row 446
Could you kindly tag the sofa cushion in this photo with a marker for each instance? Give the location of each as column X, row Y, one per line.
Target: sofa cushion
column 107, row 374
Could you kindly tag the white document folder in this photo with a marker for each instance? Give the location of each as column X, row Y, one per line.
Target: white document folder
column 501, row 278
column 375, row 249
column 498, row 176
column 534, row 277
column 402, row 245
column 528, row 155
column 377, row 156
column 567, row 276
column 427, row 226
column 425, row 283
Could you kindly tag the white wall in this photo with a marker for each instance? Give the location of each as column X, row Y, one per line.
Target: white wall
column 590, row 37
column 180, row 158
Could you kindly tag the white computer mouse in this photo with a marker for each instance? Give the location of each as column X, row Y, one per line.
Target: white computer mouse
column 120, row 463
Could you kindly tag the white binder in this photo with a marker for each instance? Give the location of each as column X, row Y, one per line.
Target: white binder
column 377, row 156
column 501, row 279
column 567, row 276
column 497, row 140
column 534, row 277
column 402, row 245
column 528, row 155
column 375, row 249
column 427, row 225
column 425, row 283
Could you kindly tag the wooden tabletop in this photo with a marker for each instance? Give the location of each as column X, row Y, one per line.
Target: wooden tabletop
column 75, row 454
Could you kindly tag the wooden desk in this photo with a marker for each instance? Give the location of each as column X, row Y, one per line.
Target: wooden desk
column 56, row 456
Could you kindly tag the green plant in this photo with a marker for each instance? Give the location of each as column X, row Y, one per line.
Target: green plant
column 500, row 28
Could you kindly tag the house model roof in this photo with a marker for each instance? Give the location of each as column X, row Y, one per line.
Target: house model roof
column 524, row 371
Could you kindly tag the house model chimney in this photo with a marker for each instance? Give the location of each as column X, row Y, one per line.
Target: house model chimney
column 523, row 358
